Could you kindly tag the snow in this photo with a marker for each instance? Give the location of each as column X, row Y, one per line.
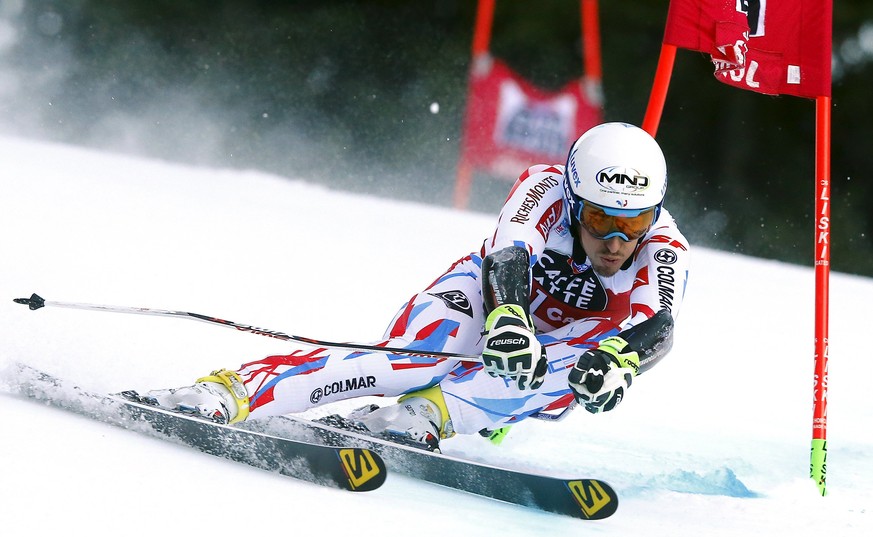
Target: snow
column 714, row 441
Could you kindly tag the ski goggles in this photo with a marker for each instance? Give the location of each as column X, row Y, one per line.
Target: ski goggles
column 605, row 223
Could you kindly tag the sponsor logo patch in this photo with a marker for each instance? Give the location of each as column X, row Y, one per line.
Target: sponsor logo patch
column 456, row 300
column 340, row 386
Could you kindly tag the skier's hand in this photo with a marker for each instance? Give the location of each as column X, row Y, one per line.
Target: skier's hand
column 601, row 376
column 512, row 350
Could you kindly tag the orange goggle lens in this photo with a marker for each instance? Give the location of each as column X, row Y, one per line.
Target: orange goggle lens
column 627, row 225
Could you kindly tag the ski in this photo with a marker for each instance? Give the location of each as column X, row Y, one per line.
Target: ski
column 579, row 497
column 323, row 454
column 345, row 467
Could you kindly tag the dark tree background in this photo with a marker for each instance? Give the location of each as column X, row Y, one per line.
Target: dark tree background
column 341, row 92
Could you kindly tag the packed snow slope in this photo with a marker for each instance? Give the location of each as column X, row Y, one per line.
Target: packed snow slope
column 713, row 441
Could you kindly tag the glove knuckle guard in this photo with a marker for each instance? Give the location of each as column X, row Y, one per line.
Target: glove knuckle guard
column 615, row 398
column 520, row 363
column 593, row 382
column 599, row 380
column 490, row 361
column 510, row 348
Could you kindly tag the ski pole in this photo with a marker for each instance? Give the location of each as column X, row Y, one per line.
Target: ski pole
column 36, row 302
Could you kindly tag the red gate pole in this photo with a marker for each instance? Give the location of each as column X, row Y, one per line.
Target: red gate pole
column 591, row 51
column 659, row 89
column 481, row 43
column 819, row 452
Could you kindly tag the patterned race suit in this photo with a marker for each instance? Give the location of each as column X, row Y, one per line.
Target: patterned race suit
column 573, row 308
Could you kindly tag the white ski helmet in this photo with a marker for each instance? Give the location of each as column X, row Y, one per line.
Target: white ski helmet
column 616, row 166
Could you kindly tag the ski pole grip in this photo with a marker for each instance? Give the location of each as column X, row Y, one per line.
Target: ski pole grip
column 34, row 302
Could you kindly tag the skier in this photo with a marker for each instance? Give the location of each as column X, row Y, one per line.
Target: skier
column 573, row 295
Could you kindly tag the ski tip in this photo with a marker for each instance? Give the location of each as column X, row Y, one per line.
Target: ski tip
column 34, row 302
column 364, row 469
column 595, row 499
